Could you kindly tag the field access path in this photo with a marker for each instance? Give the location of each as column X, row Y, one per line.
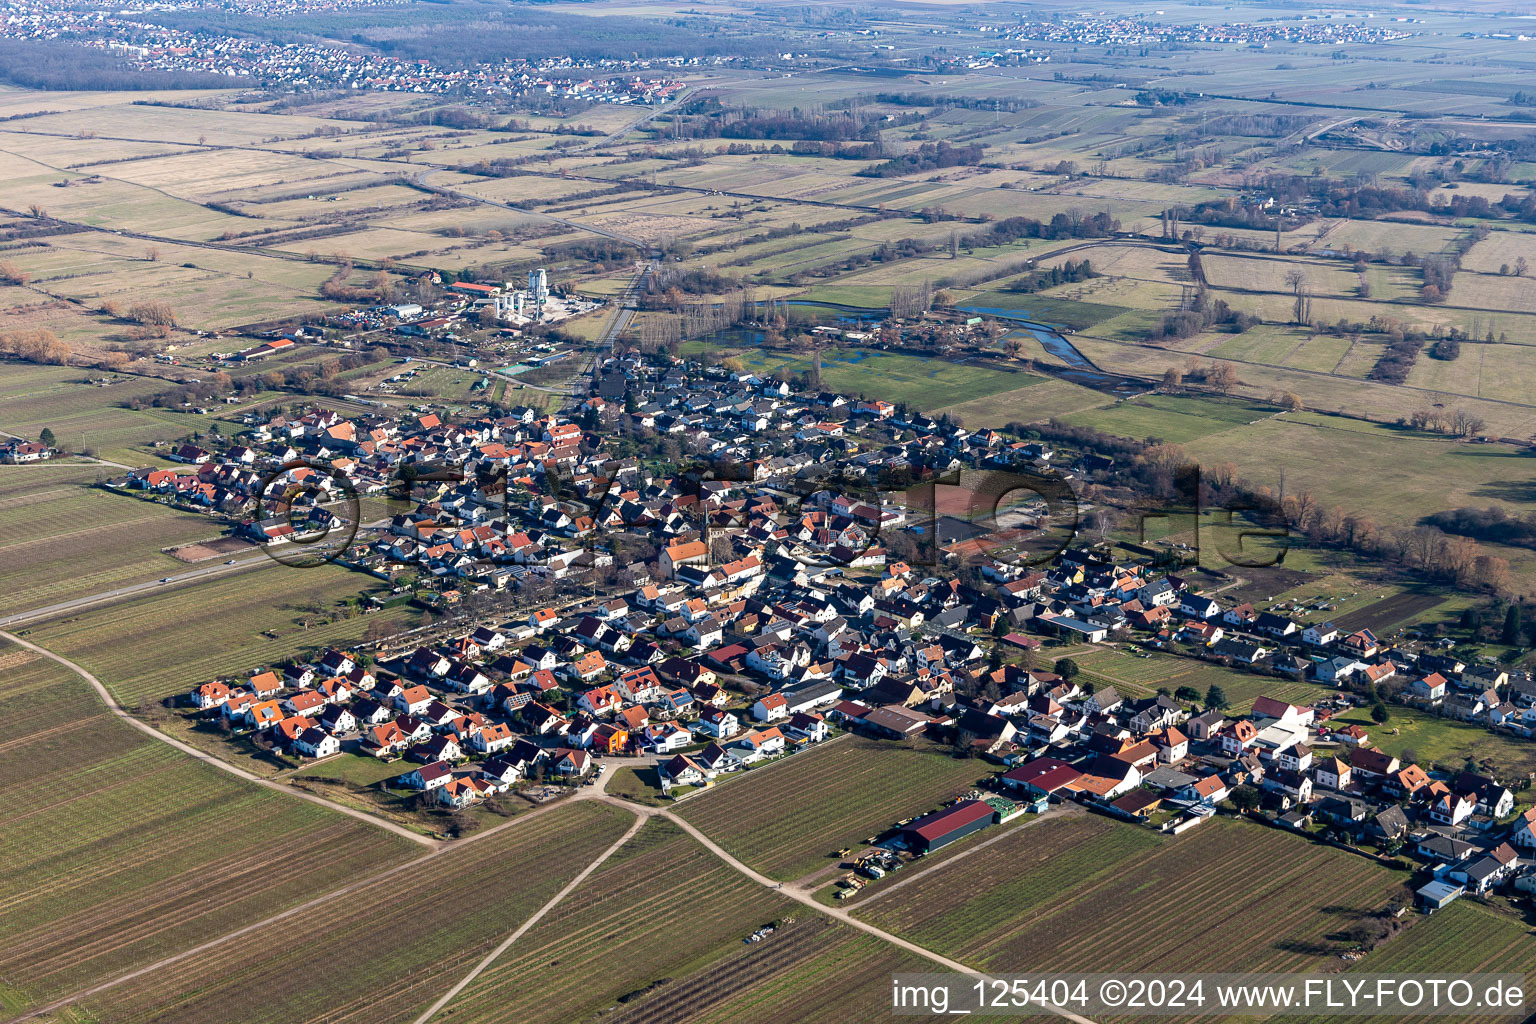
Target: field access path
column 538, row 915
column 191, row 751
column 436, row 847
column 805, row 898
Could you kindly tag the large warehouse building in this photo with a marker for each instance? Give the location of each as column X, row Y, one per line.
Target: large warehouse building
column 939, row 829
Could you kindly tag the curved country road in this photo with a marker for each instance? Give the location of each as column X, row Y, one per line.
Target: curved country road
column 800, row 896
column 644, row 814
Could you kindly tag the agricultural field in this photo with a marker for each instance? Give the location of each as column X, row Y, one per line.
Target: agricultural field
column 1356, row 600
column 1268, row 274
column 1307, row 447
column 1266, row 343
column 1499, row 250
column 649, row 959
column 446, row 384
column 1392, row 237
column 165, row 643
column 95, row 419
column 847, row 978
column 1044, row 308
column 254, row 210
column 142, row 851
column 683, row 969
column 1047, row 400
column 416, row 931
column 1090, row 890
column 207, row 290
column 60, row 537
column 1172, row 418
column 786, row 819
column 1321, row 353
column 1474, row 938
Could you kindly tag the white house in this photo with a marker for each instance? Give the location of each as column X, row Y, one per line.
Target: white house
column 1332, row 773
column 1198, row 607
column 719, row 724
column 316, row 742
column 683, row 770
column 1452, row 809
column 492, row 739
column 771, row 707
column 1431, row 687
column 666, row 737
column 808, row 727
column 428, row 777
column 1320, row 635
column 759, row 744
column 413, row 700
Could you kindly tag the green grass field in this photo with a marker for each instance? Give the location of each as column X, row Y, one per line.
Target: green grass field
column 1445, row 742
column 1044, row 401
column 1173, row 418
column 1139, row 677
column 1266, row 343
column 445, row 384
column 637, row 785
column 1309, row 447
column 1044, row 308
column 787, row 818
column 866, row 296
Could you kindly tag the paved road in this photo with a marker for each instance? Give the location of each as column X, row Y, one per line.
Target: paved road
column 56, row 463
column 133, row 590
column 1308, row 134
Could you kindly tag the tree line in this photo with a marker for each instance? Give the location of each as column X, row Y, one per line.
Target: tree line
column 929, row 156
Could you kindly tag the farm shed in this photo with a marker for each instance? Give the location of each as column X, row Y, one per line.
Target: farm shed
column 1067, row 625
column 939, row 829
column 1436, row 895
